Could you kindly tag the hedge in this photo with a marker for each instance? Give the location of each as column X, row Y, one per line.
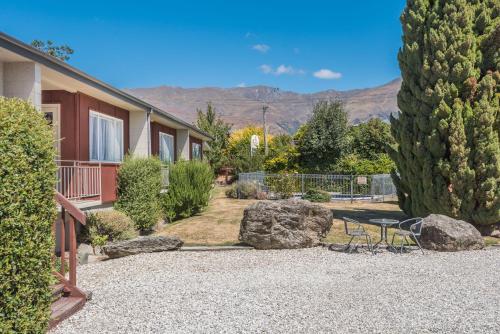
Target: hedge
column 27, row 212
column 139, row 186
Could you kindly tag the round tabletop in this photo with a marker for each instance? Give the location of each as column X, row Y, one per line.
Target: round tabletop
column 384, row 221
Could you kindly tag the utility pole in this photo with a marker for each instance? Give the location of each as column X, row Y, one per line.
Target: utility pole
column 264, row 110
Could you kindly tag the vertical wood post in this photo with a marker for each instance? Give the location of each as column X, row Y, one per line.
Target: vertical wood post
column 72, row 251
column 63, row 241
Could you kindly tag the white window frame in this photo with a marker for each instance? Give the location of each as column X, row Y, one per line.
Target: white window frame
column 159, row 145
column 111, row 118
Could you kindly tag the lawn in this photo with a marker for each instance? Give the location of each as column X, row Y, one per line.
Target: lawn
column 219, row 224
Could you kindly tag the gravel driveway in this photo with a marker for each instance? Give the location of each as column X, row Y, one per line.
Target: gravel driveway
column 291, row 291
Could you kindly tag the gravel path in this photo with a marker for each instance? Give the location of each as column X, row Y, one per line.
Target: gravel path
column 291, row 291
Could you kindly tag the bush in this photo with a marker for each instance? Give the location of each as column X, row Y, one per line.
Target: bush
column 27, row 212
column 189, row 189
column 109, row 225
column 243, row 190
column 282, row 184
column 317, row 195
column 139, row 186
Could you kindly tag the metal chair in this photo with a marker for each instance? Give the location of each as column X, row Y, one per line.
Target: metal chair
column 356, row 230
column 409, row 228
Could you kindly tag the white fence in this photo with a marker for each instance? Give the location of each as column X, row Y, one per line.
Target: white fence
column 377, row 187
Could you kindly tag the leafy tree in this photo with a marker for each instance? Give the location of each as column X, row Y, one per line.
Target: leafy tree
column 324, row 139
column 370, row 139
column 212, row 123
column 283, row 155
column 61, row 52
column 447, row 133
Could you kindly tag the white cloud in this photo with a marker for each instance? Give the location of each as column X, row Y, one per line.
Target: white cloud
column 280, row 70
column 327, row 74
column 262, row 48
column 266, row 69
column 250, row 35
column 241, row 85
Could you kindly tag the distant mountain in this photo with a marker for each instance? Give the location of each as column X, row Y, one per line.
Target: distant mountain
column 287, row 110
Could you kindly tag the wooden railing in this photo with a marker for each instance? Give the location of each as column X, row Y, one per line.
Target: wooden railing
column 78, row 180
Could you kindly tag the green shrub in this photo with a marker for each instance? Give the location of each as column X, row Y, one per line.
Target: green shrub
column 108, row 225
column 243, row 190
column 317, row 195
column 139, row 186
column 189, row 188
column 27, row 212
column 282, row 184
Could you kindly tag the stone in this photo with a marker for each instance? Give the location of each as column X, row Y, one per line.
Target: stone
column 442, row 233
column 145, row 244
column 285, row 224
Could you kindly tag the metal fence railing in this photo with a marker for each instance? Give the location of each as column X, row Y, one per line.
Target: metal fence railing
column 342, row 187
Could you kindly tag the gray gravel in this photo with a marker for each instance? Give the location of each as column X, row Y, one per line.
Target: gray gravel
column 291, row 291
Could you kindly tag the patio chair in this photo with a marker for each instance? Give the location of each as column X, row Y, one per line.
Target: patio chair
column 411, row 228
column 354, row 229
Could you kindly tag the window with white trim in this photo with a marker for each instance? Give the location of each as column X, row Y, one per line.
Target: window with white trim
column 106, row 137
column 166, row 147
column 196, row 151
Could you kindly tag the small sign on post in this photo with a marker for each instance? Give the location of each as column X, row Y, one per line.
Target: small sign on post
column 254, row 144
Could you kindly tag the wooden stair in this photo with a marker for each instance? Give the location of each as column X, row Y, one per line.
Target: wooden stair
column 67, row 298
column 64, row 307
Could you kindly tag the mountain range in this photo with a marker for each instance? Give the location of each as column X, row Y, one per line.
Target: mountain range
column 287, row 110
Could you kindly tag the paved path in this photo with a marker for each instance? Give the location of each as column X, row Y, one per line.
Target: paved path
column 294, row 291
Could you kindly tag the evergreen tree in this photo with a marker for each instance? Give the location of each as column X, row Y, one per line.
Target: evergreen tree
column 447, row 133
column 212, row 124
column 325, row 138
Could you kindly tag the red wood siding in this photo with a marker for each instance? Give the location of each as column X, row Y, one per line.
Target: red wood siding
column 69, row 134
column 75, row 109
column 191, row 141
column 156, row 128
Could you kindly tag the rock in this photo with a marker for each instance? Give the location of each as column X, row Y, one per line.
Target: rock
column 495, row 234
column 284, row 224
column 146, row 244
column 443, row 233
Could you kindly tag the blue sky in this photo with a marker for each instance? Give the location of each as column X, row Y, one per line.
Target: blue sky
column 304, row 46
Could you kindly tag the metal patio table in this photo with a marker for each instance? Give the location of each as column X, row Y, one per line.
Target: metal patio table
column 384, row 224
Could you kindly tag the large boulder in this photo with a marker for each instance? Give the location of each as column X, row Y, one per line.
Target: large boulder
column 147, row 244
column 443, row 233
column 284, row 224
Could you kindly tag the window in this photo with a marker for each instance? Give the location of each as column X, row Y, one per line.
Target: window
column 196, row 151
column 106, row 138
column 166, row 147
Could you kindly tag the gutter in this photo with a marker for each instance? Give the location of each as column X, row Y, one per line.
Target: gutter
column 27, row 51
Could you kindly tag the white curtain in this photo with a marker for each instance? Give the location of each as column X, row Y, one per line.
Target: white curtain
column 166, row 148
column 106, row 138
column 196, row 154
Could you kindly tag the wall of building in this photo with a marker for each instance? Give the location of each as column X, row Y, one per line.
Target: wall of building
column 69, row 128
column 139, row 133
column 156, row 128
column 23, row 80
